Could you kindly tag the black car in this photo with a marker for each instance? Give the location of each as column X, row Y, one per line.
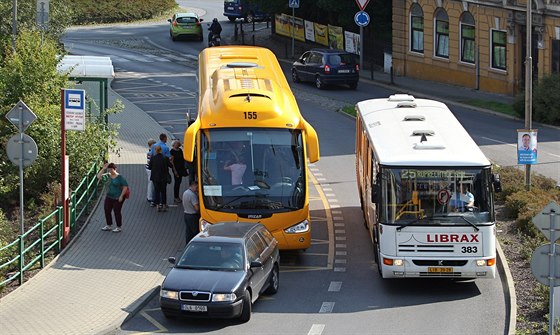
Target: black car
column 221, row 272
column 327, row 66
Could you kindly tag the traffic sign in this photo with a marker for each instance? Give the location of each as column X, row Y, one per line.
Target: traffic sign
column 294, row 3
column 543, row 220
column 361, row 18
column 540, row 265
column 27, row 116
column 362, row 4
column 16, row 153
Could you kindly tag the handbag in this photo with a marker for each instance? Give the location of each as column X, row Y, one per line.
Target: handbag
column 168, row 178
column 127, row 193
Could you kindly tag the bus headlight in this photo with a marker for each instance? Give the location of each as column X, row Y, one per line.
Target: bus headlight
column 204, row 224
column 169, row 294
column 301, row 227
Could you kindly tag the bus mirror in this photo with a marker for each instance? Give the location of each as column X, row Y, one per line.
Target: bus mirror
column 497, row 183
column 189, row 141
column 375, row 193
column 312, row 143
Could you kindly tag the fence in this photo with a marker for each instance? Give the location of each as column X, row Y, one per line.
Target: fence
column 34, row 245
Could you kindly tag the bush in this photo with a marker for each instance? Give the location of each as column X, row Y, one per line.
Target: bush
column 513, row 180
column 546, row 106
column 525, row 205
column 109, row 11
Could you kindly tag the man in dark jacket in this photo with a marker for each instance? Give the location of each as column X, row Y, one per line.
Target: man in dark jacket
column 159, row 165
column 215, row 29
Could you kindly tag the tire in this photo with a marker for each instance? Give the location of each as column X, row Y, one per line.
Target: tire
column 377, row 257
column 353, row 85
column 249, row 18
column 246, row 311
column 319, row 82
column 172, row 37
column 295, row 77
column 274, row 281
column 231, row 19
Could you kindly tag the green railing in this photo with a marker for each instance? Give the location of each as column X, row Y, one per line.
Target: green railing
column 31, row 248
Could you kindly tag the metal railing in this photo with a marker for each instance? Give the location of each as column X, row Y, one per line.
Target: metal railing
column 30, row 249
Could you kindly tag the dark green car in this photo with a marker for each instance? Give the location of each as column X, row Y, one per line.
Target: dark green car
column 185, row 25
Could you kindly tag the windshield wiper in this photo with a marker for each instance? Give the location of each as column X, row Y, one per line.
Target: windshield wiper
column 234, row 200
column 403, row 225
column 471, row 223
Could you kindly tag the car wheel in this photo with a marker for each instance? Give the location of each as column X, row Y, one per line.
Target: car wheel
column 246, row 311
column 319, row 82
column 249, row 18
column 295, row 77
column 171, row 35
column 353, row 85
column 274, row 282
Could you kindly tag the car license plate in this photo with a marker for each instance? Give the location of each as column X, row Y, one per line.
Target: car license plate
column 194, row 308
column 440, row 270
column 343, row 71
column 230, row 8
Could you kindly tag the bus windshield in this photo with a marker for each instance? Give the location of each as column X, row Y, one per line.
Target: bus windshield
column 252, row 168
column 435, row 196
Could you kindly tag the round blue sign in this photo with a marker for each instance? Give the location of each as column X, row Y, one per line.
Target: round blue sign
column 361, row 18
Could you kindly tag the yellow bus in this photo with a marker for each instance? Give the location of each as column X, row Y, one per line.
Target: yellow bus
column 250, row 145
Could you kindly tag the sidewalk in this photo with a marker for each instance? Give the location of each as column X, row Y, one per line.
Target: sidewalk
column 103, row 277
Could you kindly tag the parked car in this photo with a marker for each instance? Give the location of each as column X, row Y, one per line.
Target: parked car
column 243, row 9
column 327, row 66
column 221, row 272
column 185, row 25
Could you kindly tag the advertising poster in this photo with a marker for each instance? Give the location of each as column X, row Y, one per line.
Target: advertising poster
column 321, row 34
column 309, row 31
column 282, row 25
column 526, row 146
column 352, row 42
column 336, row 37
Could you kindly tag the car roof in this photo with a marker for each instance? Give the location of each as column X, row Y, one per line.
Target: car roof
column 227, row 231
column 189, row 14
column 330, row 51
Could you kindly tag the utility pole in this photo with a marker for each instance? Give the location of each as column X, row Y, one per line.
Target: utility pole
column 528, row 86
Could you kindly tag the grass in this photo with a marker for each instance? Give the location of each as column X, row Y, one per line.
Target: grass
column 350, row 110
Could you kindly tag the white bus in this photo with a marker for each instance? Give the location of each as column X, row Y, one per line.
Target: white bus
column 426, row 190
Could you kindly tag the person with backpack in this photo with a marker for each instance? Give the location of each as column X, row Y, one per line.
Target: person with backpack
column 117, row 191
column 214, row 31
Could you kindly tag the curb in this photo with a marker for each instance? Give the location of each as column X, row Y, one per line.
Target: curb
column 509, row 290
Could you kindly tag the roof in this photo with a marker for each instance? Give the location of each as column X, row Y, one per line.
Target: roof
column 186, row 14
column 330, row 51
column 396, row 125
column 87, row 66
column 227, row 231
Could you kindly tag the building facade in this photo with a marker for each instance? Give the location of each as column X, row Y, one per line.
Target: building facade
column 476, row 44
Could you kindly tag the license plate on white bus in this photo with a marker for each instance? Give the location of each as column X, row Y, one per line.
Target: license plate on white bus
column 194, row 308
column 440, row 270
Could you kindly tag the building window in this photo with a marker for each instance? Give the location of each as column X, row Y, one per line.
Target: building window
column 499, row 49
column 442, row 34
column 467, row 38
column 416, row 28
column 555, row 56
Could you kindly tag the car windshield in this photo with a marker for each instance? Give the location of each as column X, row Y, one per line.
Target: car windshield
column 248, row 169
column 212, row 256
column 435, row 196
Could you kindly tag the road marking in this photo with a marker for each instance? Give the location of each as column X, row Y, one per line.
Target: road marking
column 327, row 307
column 498, row 141
column 335, row 286
column 340, row 231
column 339, row 269
column 341, row 253
column 340, row 261
column 340, row 238
column 316, row 329
column 340, row 246
column 159, row 326
column 338, row 218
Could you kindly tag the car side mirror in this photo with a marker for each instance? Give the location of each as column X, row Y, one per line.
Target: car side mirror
column 201, row 20
column 169, row 20
column 256, row 264
column 172, row 260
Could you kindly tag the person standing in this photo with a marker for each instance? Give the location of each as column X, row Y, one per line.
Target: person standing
column 191, row 210
column 150, row 194
column 114, row 199
column 159, row 166
column 179, row 168
column 163, row 144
